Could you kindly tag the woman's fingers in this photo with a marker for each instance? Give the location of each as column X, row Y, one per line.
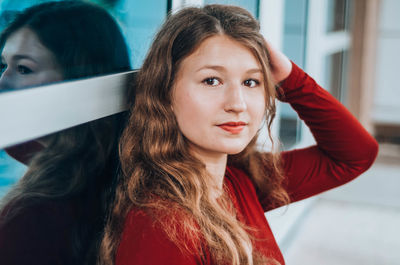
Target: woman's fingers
column 279, row 63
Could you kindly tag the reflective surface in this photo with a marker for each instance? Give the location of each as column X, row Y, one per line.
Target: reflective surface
column 294, row 46
column 10, row 171
column 336, row 74
column 249, row 5
column 26, row 62
column 338, row 15
column 138, row 21
column 56, row 42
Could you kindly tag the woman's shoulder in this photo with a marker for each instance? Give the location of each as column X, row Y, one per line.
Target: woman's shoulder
column 170, row 217
column 155, row 236
column 238, row 176
column 137, row 219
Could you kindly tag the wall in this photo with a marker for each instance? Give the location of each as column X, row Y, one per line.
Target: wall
column 386, row 103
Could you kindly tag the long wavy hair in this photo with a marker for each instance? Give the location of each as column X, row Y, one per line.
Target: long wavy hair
column 78, row 165
column 161, row 176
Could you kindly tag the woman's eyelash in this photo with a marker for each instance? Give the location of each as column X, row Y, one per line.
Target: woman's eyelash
column 211, row 81
column 3, row 67
column 24, row 70
column 248, row 82
column 214, row 81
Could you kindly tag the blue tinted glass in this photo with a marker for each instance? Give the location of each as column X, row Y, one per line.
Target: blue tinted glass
column 10, row 172
column 10, row 169
column 8, row 8
column 337, row 15
column 294, row 41
column 249, row 5
column 295, row 26
column 139, row 21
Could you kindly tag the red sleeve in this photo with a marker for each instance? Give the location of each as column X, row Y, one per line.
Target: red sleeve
column 344, row 148
column 144, row 242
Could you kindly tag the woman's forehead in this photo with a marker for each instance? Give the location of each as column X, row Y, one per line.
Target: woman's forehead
column 222, row 51
column 25, row 42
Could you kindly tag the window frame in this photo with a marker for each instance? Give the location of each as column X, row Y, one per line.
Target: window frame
column 30, row 113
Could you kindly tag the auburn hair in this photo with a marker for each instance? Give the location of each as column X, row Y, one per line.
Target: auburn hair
column 161, row 176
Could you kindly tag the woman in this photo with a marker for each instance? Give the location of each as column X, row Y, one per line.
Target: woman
column 56, row 212
column 194, row 188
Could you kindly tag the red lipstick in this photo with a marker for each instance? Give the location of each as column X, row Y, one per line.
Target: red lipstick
column 233, row 127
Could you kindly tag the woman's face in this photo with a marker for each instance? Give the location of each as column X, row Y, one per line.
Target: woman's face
column 219, row 97
column 26, row 62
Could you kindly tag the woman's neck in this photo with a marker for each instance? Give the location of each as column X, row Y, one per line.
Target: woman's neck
column 215, row 165
column 217, row 168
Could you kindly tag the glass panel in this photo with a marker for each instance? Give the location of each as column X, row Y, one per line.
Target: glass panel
column 64, row 42
column 140, row 21
column 95, row 46
column 10, row 171
column 64, row 152
column 64, row 194
column 249, row 5
column 336, row 75
column 52, row 42
column 294, row 43
column 338, row 15
column 290, row 127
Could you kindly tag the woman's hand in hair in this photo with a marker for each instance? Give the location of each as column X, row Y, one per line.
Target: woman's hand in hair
column 279, row 63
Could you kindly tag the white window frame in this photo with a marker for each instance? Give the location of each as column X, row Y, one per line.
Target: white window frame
column 30, row 113
column 320, row 44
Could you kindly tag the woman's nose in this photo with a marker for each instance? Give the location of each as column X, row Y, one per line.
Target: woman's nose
column 235, row 99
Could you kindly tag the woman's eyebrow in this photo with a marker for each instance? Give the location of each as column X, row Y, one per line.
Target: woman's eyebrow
column 213, row 67
column 221, row 68
column 23, row 56
column 254, row 70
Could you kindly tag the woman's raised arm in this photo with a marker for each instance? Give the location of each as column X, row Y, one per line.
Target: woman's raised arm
column 344, row 148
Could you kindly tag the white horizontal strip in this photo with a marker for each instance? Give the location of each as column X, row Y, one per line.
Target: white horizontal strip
column 34, row 112
column 389, row 114
column 335, row 42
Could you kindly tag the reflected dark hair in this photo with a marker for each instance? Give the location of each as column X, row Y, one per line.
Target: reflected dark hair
column 84, row 38
column 79, row 165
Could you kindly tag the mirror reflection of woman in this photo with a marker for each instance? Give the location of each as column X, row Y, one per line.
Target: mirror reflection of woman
column 55, row 214
column 195, row 188
column 26, row 62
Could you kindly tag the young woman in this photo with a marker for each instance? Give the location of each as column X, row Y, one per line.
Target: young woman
column 195, row 189
column 56, row 213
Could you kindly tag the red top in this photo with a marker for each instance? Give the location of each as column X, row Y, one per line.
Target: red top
column 343, row 152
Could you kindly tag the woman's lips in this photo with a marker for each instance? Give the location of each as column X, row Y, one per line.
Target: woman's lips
column 233, row 127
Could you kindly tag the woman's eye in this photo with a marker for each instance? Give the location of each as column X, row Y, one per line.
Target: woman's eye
column 211, row 81
column 3, row 67
column 251, row 82
column 24, row 70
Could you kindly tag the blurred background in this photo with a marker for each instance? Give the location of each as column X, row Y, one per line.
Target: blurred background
column 351, row 48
